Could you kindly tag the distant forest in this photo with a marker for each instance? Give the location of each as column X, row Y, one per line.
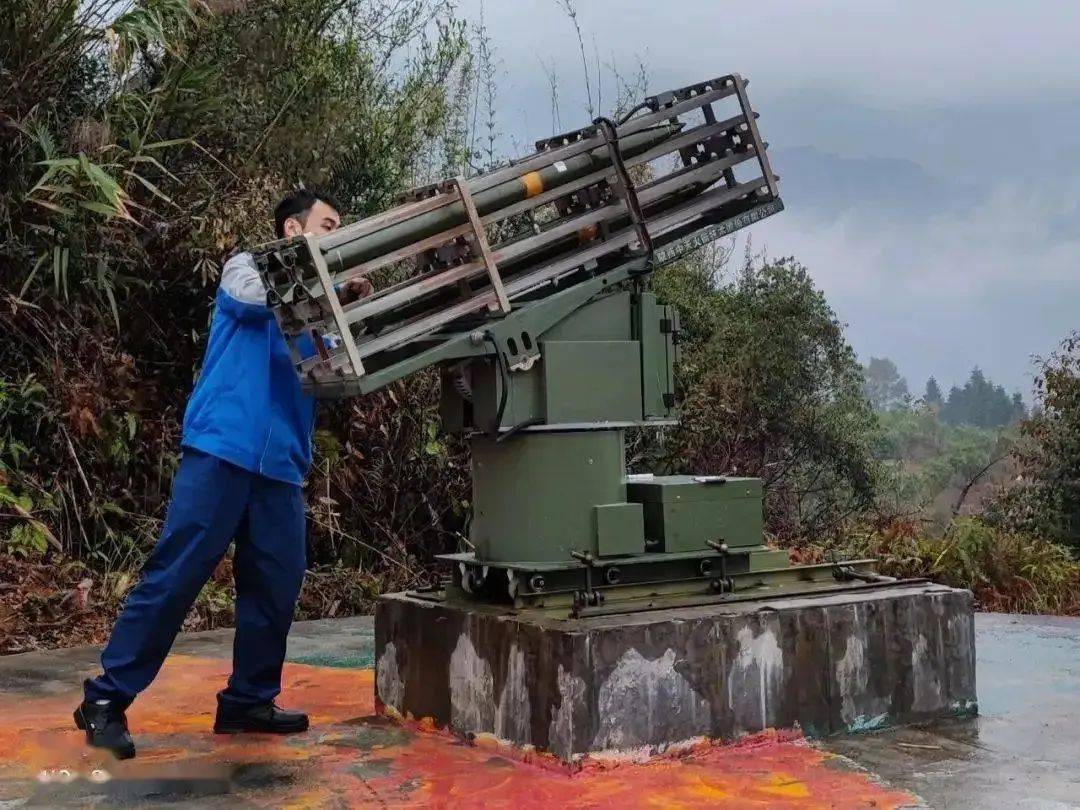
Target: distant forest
column 979, row 403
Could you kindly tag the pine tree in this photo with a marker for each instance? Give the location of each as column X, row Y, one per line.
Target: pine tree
column 981, row 403
column 932, row 395
column 954, row 411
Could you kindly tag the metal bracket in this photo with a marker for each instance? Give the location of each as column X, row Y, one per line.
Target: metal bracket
column 502, row 303
column 724, row 584
column 590, row 597
column 755, row 135
column 844, row 572
column 323, row 272
column 625, row 185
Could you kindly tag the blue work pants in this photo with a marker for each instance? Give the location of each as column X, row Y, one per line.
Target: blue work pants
column 213, row 503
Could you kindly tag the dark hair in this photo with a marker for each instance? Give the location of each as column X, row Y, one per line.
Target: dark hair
column 296, row 204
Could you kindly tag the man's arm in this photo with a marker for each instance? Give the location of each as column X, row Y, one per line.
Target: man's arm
column 244, row 289
column 241, row 280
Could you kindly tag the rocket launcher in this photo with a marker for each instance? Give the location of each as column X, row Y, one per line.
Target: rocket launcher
column 456, row 258
column 526, row 286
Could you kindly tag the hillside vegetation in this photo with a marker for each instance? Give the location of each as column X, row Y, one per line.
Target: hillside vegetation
column 140, row 142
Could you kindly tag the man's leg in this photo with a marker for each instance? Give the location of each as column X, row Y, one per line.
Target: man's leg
column 269, row 568
column 209, row 499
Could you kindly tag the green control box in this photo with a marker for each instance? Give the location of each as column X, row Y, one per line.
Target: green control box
column 685, row 512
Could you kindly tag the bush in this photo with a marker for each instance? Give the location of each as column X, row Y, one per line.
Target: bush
column 141, row 141
column 1007, row 571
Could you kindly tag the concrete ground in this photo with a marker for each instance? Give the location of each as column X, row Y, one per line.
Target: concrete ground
column 1020, row 752
column 1023, row 750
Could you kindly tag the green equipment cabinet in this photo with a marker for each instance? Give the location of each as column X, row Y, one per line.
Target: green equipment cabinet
column 548, row 441
column 557, row 493
column 685, row 513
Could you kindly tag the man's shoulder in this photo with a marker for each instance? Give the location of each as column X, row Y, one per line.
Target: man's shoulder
column 240, row 279
column 240, row 260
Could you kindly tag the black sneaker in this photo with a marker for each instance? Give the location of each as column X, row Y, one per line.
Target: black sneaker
column 264, row 718
column 105, row 725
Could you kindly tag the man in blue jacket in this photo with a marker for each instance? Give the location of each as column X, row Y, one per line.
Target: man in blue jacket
column 246, row 450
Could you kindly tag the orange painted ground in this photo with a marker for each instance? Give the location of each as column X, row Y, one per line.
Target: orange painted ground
column 351, row 758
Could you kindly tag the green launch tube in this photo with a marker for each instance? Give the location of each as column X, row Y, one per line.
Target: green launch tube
column 343, row 252
column 532, row 259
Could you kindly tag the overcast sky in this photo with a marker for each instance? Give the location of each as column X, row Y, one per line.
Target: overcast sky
column 929, row 152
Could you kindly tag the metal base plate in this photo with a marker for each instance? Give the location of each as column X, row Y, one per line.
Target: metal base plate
column 645, row 581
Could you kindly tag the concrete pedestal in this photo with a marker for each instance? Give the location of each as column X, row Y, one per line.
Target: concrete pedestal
column 848, row 661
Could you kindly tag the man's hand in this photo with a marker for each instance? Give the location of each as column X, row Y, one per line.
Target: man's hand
column 354, row 289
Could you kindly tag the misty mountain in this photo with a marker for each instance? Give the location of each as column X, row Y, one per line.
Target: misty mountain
column 825, row 186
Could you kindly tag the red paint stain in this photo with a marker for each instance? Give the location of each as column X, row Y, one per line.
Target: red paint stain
column 353, row 758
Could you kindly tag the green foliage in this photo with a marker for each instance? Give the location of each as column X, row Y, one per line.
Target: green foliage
column 402, row 494
column 27, row 537
column 770, row 388
column 1046, row 499
column 22, row 412
column 927, row 459
column 141, row 141
column 1007, row 571
column 202, row 113
column 981, row 403
column 26, row 540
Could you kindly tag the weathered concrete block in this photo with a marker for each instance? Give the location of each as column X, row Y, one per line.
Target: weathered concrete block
column 848, row 661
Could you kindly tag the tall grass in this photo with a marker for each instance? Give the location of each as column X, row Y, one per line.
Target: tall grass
column 1007, row 571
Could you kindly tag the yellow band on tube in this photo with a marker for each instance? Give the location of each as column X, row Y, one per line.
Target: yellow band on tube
column 533, row 184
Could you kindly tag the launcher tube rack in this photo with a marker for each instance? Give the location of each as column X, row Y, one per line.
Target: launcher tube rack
column 584, row 199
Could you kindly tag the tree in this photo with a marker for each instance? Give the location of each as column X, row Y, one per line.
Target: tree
column 1045, row 501
column 770, row 388
column 884, row 386
column 932, row 395
column 981, row 403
